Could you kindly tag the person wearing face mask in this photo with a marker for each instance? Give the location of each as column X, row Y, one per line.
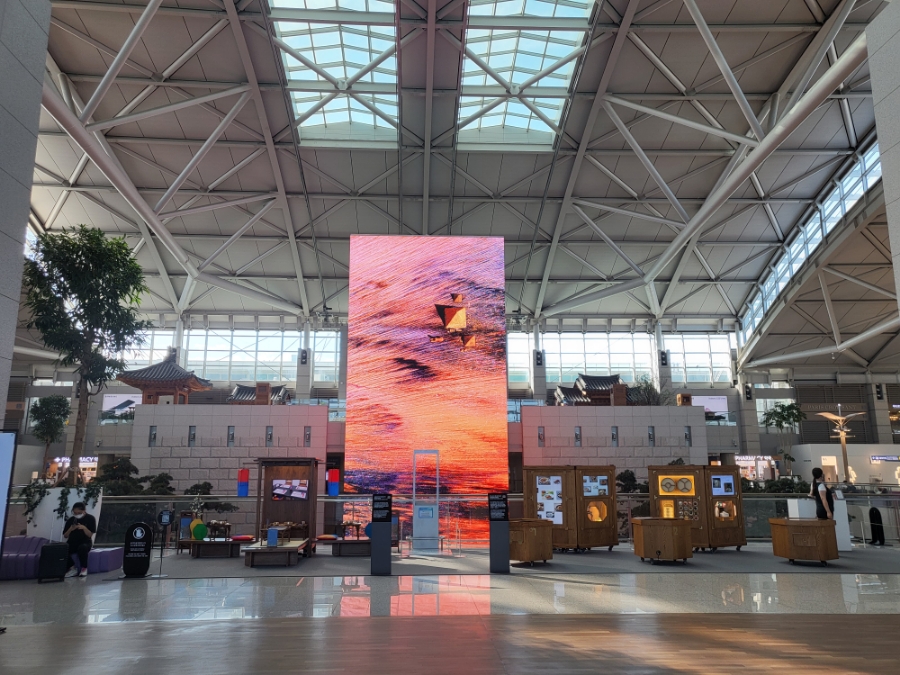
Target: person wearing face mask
column 78, row 532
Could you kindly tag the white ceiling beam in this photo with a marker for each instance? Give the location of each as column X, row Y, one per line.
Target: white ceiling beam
column 627, row 213
column 57, row 108
column 164, row 109
column 860, row 282
column 609, row 242
column 849, row 61
column 119, row 62
column 261, row 114
column 591, row 120
column 237, row 235
column 675, row 119
column 724, row 68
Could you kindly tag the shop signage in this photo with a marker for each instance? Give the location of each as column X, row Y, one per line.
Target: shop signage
column 381, row 508
column 832, row 407
column 885, row 458
column 753, row 458
column 138, row 545
column 498, row 507
column 164, row 518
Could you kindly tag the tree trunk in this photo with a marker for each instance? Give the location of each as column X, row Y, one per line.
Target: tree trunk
column 43, row 472
column 84, row 402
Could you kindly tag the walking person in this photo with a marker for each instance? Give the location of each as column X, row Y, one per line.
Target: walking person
column 823, row 496
column 79, row 533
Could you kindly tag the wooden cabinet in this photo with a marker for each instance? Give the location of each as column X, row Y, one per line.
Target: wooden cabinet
column 804, row 539
column 662, row 539
column 530, row 539
column 709, row 497
column 595, row 498
column 549, row 495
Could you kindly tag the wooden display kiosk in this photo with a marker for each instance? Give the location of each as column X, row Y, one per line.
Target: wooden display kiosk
column 286, row 489
column 707, row 496
column 579, row 502
column 804, row 539
column 657, row 539
column 596, row 507
column 549, row 494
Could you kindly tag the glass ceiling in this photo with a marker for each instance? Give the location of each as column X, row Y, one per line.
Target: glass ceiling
column 338, row 51
column 517, row 55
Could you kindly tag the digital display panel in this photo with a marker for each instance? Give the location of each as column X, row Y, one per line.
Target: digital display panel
column 426, row 364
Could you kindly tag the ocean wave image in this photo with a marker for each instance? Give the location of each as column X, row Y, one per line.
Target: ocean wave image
column 426, row 366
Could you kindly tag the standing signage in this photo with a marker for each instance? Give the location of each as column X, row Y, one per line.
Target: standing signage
column 498, row 515
column 164, row 518
column 381, row 534
column 7, row 459
column 498, row 507
column 138, row 546
column 381, row 508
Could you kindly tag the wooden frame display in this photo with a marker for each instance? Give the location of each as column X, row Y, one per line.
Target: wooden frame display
column 551, row 490
column 658, row 539
column 298, row 492
column 708, row 496
column 804, row 539
column 595, row 497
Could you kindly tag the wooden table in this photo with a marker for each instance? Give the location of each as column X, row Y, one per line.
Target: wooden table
column 662, row 539
column 351, row 547
column 804, row 539
column 286, row 554
column 223, row 548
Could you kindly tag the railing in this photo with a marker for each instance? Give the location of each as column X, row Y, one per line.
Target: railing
column 463, row 518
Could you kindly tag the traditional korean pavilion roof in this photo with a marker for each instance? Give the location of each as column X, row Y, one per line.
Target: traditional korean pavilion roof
column 570, row 396
column 165, row 373
column 588, row 383
column 243, row 393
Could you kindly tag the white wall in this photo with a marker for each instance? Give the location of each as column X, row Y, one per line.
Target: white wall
column 859, row 456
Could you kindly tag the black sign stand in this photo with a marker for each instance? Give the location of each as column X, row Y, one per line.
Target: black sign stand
column 498, row 513
column 382, row 517
column 138, row 546
column 164, row 518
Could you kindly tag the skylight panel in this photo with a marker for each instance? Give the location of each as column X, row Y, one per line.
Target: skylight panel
column 323, row 56
column 517, row 56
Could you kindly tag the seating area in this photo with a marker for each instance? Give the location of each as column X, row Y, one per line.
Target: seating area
column 20, row 557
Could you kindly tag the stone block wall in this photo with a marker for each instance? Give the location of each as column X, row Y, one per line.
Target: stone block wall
column 634, row 450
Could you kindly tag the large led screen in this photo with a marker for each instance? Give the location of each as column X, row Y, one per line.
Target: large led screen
column 426, row 363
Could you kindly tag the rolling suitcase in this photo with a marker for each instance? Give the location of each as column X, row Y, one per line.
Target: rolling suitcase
column 53, row 562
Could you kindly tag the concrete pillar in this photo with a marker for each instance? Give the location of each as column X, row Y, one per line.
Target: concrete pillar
column 748, row 422
column 24, row 25
column 178, row 343
column 538, row 368
column 883, row 37
column 879, row 413
column 663, row 372
column 304, row 373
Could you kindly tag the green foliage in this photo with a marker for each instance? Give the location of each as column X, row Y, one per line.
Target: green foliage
column 626, row 483
column 784, row 417
column 119, row 478
column 160, row 484
column 783, row 485
column 33, row 494
column 35, row 491
column 204, row 488
column 49, row 415
column 644, row 392
column 82, row 289
column 677, row 462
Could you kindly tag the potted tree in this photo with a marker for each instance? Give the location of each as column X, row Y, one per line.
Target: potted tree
column 49, row 416
column 82, row 289
column 784, row 417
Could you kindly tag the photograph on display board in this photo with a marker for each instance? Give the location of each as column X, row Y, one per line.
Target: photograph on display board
column 118, row 408
column 596, row 486
column 284, row 490
column 722, row 486
column 550, row 501
column 426, row 319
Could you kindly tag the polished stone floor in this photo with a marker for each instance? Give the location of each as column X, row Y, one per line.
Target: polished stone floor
column 107, row 600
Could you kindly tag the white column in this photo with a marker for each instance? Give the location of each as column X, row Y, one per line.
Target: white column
column 24, row 25
column 883, row 37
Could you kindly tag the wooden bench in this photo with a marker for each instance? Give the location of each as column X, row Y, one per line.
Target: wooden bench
column 351, row 547
column 223, row 548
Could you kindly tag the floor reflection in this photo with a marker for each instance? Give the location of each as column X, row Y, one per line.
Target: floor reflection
column 113, row 601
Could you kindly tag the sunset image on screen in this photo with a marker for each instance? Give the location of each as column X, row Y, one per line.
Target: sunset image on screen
column 426, row 363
